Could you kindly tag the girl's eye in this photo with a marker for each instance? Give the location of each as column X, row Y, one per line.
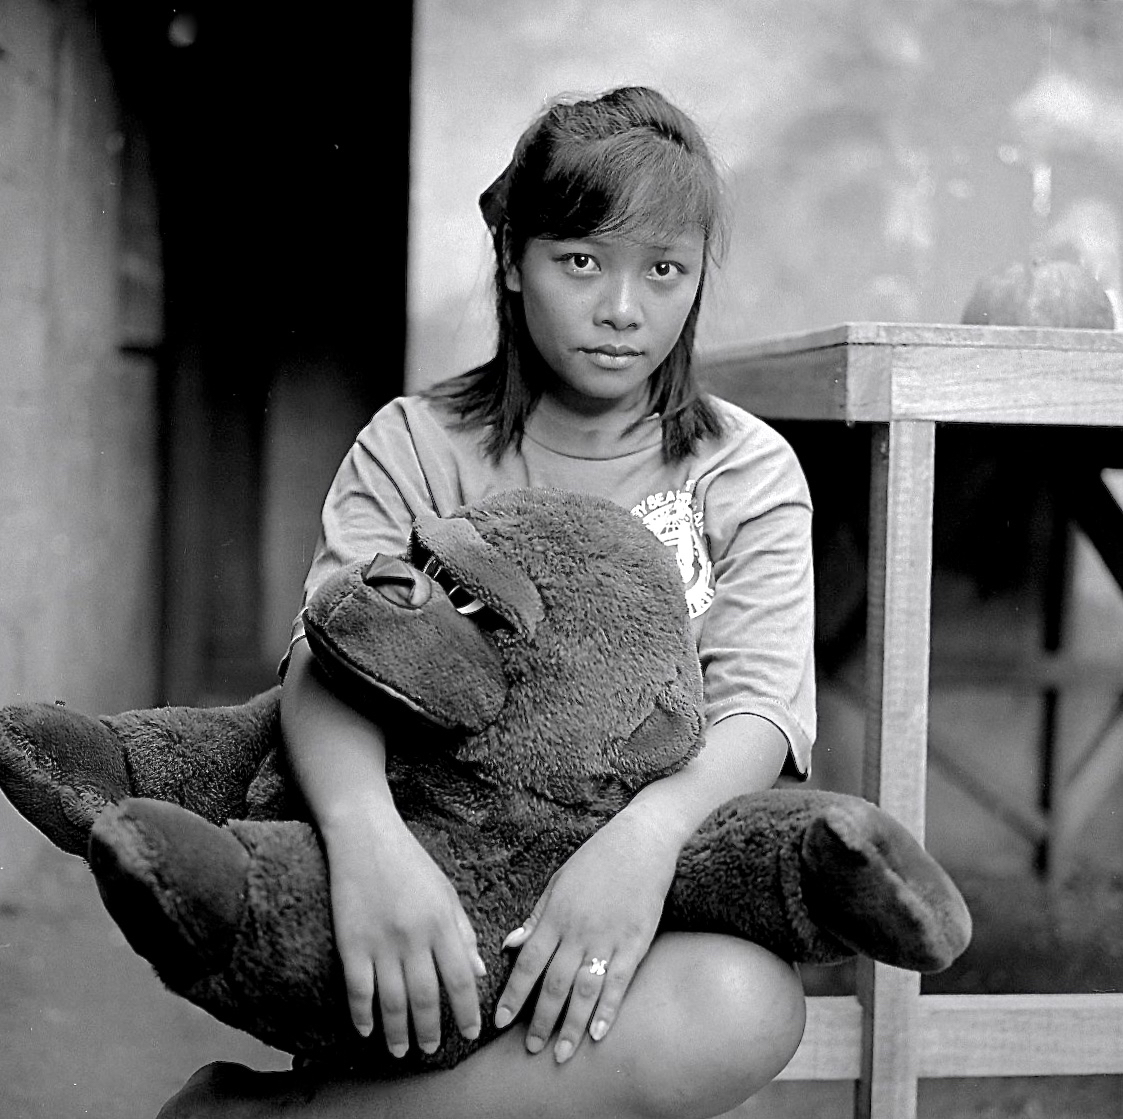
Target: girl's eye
column 665, row 269
column 579, row 262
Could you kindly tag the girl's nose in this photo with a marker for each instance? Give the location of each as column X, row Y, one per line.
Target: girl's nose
column 620, row 306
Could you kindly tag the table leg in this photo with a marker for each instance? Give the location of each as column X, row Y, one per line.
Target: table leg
column 898, row 629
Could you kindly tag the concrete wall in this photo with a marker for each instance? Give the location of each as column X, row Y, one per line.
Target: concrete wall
column 77, row 432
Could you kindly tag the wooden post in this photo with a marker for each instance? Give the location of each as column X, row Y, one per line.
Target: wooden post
column 898, row 627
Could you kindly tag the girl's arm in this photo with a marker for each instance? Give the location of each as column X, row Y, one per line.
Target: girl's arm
column 417, row 927
column 743, row 754
column 604, row 904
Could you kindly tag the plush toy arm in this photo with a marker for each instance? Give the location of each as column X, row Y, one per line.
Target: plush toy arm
column 59, row 769
column 817, row 878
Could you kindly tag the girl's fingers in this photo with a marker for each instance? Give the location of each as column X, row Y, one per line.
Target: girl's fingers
column 557, row 985
column 619, row 971
column 458, row 978
column 358, row 976
column 531, row 962
column 516, row 938
column 393, row 1004
column 424, row 1001
column 588, row 984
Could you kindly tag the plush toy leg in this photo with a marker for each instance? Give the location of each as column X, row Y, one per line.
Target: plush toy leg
column 236, row 919
column 60, row 768
column 818, row 877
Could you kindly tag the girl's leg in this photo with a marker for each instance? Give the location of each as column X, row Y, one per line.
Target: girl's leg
column 708, row 1021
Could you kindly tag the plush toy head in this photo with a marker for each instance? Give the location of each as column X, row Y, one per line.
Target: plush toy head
column 533, row 663
column 540, row 631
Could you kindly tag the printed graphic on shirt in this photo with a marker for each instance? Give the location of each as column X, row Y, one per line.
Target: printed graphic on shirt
column 675, row 521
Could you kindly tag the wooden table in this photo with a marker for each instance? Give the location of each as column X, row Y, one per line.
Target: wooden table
column 904, row 379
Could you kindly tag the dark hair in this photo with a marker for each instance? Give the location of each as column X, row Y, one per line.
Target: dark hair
column 627, row 164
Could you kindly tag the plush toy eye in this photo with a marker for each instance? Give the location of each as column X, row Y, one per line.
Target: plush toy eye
column 463, row 601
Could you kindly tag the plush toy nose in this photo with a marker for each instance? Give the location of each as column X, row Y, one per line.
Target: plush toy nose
column 398, row 582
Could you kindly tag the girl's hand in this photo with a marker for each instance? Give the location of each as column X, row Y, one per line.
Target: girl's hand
column 400, row 931
column 588, row 934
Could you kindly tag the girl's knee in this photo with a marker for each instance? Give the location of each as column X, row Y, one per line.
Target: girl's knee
column 737, row 1014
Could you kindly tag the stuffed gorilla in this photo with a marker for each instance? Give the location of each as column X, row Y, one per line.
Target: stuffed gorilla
column 534, row 665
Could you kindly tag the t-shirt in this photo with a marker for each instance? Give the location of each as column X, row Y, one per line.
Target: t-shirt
column 737, row 514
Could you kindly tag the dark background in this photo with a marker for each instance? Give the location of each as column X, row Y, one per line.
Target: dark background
column 278, row 138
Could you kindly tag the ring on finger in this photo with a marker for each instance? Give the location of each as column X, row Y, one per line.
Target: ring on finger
column 598, row 966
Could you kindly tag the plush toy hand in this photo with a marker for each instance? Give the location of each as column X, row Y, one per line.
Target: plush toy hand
column 588, row 933
column 399, row 921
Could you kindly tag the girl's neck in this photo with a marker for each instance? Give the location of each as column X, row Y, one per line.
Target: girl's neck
column 593, row 432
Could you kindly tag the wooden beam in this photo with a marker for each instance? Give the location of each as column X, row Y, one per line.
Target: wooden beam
column 879, row 372
column 1092, row 505
column 1026, row 672
column 896, row 747
column 1020, row 1035
column 975, row 1035
column 1092, row 781
column 899, row 620
column 992, row 385
column 831, row 1045
column 806, row 386
column 1031, row 825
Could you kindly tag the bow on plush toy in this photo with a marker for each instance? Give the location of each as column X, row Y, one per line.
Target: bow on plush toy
column 534, row 663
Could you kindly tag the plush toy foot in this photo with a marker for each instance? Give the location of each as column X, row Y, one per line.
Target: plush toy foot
column 59, row 769
column 819, row 877
column 869, row 883
column 236, row 919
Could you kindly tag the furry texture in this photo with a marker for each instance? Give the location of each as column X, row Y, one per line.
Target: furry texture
column 514, row 734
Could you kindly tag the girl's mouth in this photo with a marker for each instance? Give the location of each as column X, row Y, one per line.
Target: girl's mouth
column 613, row 357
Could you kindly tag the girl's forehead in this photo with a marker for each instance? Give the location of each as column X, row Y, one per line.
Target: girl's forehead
column 687, row 239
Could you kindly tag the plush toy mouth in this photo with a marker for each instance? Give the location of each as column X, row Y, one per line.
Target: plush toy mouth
column 463, row 601
column 473, row 569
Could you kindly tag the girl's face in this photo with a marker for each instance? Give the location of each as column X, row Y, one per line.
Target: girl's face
column 604, row 313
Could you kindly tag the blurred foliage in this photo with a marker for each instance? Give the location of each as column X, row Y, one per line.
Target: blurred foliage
column 930, row 144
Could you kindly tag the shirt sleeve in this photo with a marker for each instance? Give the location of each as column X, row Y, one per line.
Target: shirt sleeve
column 757, row 637
column 377, row 492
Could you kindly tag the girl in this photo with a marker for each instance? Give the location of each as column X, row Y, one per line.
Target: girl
column 603, row 226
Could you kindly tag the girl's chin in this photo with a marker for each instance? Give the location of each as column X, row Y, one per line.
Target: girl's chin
column 600, row 398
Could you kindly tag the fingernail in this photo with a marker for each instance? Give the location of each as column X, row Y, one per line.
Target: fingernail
column 399, row 1049
column 514, row 938
column 535, row 1044
column 563, row 1051
column 430, row 1047
column 598, row 1029
column 480, row 967
column 502, row 1018
column 365, row 1028
column 472, row 1032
